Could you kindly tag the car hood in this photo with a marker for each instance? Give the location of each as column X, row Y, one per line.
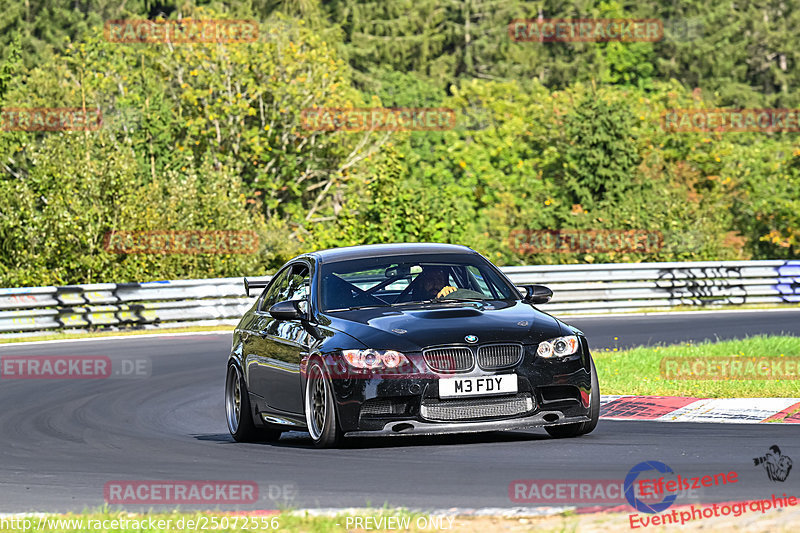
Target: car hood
column 411, row 329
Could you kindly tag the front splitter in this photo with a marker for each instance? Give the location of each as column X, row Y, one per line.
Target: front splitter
column 416, row 427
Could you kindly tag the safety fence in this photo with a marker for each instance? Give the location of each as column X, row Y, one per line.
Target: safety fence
column 603, row 288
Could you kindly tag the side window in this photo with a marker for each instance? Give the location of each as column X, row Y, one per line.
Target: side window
column 272, row 293
column 291, row 284
column 298, row 284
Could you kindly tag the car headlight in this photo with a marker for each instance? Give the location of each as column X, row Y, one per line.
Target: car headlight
column 372, row 359
column 558, row 347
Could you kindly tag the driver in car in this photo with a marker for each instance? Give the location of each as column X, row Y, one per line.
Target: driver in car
column 433, row 283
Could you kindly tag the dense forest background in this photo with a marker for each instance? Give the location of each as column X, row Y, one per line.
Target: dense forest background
column 548, row 135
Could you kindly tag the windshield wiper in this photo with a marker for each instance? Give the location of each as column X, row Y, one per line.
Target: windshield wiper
column 416, row 302
column 355, row 307
column 440, row 301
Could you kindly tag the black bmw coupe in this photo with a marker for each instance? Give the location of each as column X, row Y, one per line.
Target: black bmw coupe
column 404, row 339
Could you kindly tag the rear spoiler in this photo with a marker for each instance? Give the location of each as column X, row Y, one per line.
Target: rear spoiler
column 254, row 284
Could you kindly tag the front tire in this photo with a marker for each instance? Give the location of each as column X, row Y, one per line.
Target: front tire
column 320, row 410
column 581, row 428
column 238, row 413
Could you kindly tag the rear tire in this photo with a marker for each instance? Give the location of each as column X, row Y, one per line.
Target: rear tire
column 238, row 413
column 320, row 410
column 581, row 428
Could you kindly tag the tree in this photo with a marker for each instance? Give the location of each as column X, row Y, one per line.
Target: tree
column 600, row 156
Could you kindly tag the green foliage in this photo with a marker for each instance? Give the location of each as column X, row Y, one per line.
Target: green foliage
column 600, row 157
column 199, row 137
column 11, row 65
column 547, row 135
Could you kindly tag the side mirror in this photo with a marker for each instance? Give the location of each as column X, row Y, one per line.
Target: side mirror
column 286, row 310
column 537, row 294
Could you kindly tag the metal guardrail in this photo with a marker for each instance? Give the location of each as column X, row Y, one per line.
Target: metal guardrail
column 603, row 288
column 118, row 305
column 620, row 287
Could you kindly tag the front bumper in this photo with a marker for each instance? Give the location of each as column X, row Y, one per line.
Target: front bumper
column 403, row 405
column 417, row 427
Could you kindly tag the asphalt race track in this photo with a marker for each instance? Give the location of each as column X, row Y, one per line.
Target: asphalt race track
column 63, row 440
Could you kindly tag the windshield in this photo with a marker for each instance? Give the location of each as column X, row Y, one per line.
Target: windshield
column 395, row 281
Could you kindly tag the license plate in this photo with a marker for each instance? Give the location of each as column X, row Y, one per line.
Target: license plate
column 477, row 386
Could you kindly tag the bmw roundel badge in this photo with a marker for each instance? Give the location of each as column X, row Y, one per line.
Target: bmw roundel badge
column 472, row 339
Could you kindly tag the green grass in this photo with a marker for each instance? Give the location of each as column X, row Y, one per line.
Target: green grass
column 637, row 371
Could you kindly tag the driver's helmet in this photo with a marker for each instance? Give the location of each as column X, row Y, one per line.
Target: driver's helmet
column 433, row 278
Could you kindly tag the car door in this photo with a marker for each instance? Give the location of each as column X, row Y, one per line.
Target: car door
column 254, row 342
column 283, row 343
